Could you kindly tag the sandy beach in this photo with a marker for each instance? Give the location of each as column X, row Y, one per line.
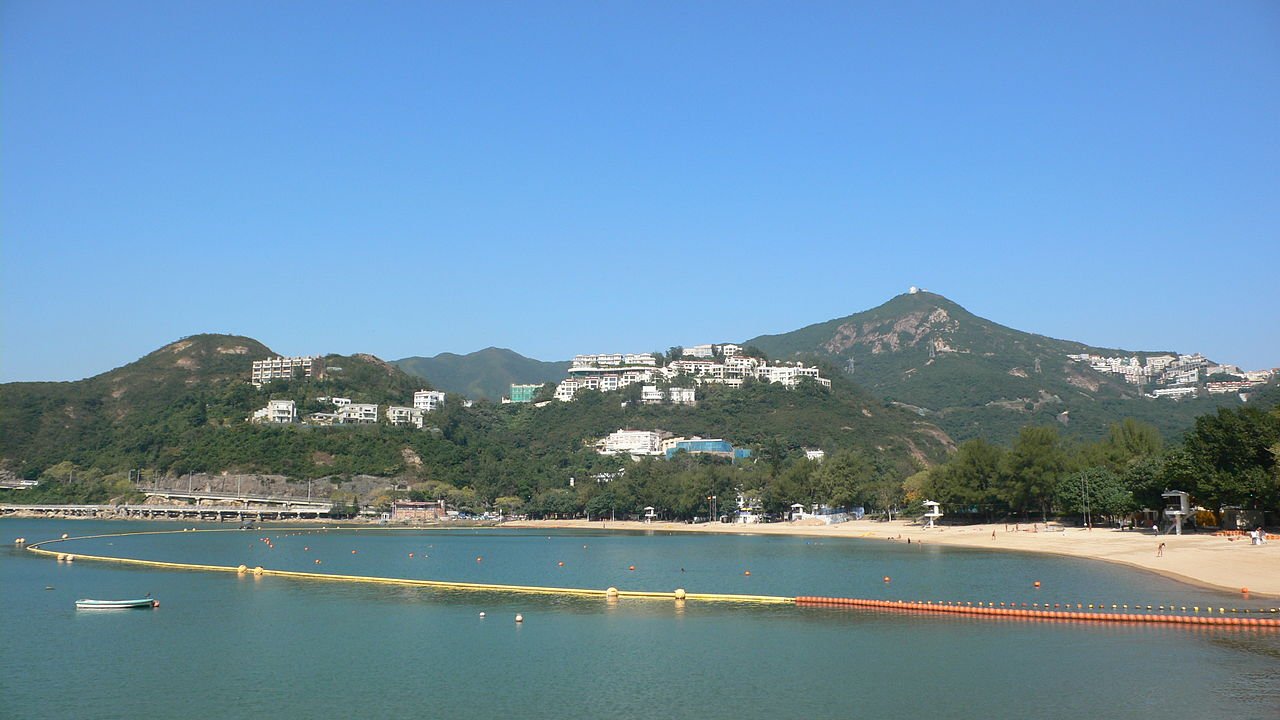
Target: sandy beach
column 1199, row 559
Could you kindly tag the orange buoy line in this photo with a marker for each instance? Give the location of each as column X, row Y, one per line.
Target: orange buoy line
column 1039, row 614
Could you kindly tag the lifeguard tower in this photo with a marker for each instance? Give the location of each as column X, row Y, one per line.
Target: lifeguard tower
column 649, row 514
column 1177, row 505
column 932, row 511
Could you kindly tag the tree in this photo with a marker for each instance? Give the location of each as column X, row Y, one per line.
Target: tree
column 1032, row 469
column 1233, row 450
column 842, row 480
column 971, row 478
column 1095, row 491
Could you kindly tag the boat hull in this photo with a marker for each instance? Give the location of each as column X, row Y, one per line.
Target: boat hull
column 116, row 604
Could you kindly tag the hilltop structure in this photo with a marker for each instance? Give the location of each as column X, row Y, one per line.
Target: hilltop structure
column 286, row 368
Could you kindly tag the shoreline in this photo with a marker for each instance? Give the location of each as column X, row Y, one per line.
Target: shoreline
column 1203, row 560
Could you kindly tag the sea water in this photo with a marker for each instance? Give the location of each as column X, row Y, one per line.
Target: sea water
column 223, row 645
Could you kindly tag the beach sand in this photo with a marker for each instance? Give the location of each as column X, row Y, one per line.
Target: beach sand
column 1200, row 559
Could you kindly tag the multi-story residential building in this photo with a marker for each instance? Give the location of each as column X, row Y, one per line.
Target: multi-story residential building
column 357, row 414
column 399, row 415
column 284, row 368
column 790, row 375
column 276, row 411
column 653, row 395
column 568, row 388
column 631, row 442
column 1174, row 392
column 428, row 400
column 700, row 351
column 523, row 393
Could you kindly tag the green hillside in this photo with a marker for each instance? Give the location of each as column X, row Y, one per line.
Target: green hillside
column 487, row 373
column 183, row 409
column 158, row 411
column 976, row 378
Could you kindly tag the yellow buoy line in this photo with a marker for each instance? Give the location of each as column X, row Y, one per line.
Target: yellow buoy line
column 679, row 595
column 259, row 571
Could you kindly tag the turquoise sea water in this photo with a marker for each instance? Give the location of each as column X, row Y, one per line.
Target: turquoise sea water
column 228, row 646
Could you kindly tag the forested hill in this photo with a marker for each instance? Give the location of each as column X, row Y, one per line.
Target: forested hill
column 183, row 409
column 487, row 373
column 152, row 411
column 976, row 378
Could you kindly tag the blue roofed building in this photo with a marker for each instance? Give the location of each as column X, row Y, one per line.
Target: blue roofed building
column 704, row 446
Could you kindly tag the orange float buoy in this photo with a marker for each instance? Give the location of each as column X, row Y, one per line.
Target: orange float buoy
column 886, row 578
column 1244, row 591
column 561, row 563
column 748, row 572
column 631, row 567
column 353, row 552
column 479, row 558
column 317, row 561
column 1037, row 583
column 410, row 554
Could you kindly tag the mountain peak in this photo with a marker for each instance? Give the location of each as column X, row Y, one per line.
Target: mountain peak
column 971, row 375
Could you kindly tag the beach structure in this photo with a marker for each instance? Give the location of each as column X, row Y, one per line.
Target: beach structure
column 933, row 511
column 649, row 514
column 1177, row 507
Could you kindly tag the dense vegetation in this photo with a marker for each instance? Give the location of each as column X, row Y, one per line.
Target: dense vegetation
column 977, row 379
column 1229, row 459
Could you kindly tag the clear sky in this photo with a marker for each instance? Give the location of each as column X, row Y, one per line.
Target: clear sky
column 419, row 177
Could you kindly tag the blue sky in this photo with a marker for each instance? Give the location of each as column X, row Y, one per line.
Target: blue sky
column 414, row 178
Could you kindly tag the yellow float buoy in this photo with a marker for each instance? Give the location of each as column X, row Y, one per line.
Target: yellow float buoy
column 680, row 594
column 519, row 618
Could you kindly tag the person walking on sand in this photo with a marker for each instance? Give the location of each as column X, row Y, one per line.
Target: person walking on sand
column 1160, row 550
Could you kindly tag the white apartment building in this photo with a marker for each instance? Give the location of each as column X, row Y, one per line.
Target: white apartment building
column 790, row 375
column 283, row 368
column 428, row 400
column 652, row 395
column 700, row 351
column 399, row 415
column 276, row 411
column 1175, row 392
column 631, row 442
column 357, row 414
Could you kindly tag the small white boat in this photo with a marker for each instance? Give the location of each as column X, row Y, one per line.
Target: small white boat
column 87, row 604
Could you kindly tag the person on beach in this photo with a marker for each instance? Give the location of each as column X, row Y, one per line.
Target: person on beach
column 1160, row 550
